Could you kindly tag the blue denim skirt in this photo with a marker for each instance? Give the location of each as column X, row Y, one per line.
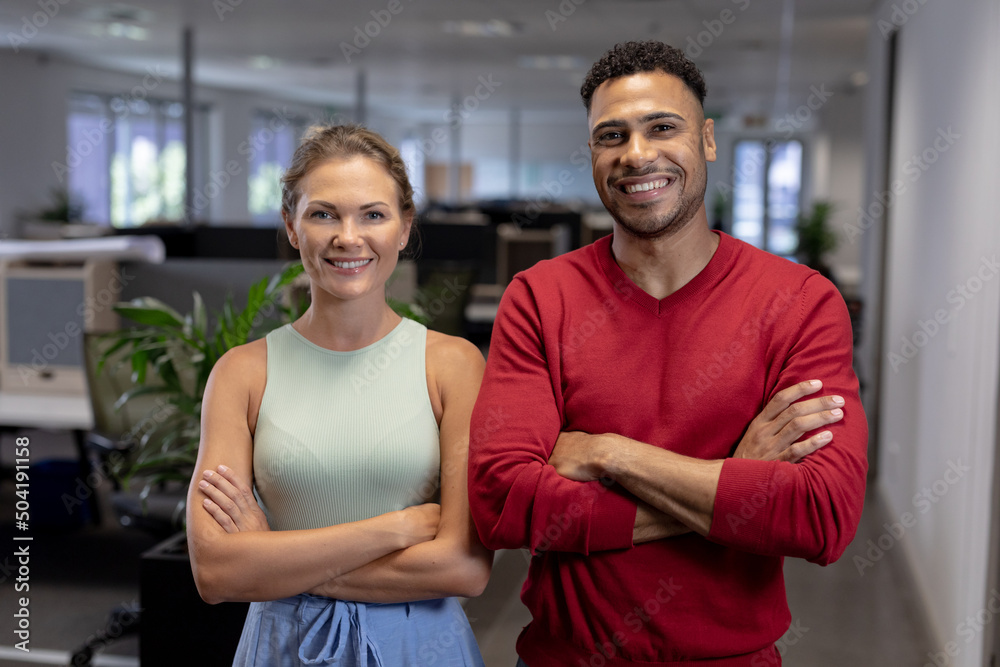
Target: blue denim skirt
column 312, row 630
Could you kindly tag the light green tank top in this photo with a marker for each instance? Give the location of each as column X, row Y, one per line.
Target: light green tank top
column 344, row 436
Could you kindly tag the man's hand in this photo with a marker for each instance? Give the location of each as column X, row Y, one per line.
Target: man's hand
column 231, row 501
column 578, row 456
column 773, row 435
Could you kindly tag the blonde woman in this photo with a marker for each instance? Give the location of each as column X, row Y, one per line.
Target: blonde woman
column 342, row 423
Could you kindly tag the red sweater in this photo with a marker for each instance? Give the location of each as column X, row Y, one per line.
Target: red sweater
column 577, row 346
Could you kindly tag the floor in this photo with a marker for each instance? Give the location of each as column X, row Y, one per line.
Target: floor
column 77, row 576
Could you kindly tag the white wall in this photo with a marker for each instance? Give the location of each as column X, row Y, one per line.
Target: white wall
column 938, row 398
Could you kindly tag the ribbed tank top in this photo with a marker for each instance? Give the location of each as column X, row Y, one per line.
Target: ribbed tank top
column 344, row 436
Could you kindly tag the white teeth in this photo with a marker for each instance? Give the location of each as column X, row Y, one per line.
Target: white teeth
column 350, row 265
column 642, row 187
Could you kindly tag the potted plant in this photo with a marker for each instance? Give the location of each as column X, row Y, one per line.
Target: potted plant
column 816, row 239
column 171, row 356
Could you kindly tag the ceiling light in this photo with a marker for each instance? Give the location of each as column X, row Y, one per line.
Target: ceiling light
column 859, row 78
column 552, row 62
column 263, row 62
column 127, row 31
column 491, row 28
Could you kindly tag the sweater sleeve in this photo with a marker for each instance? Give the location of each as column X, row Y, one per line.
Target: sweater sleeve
column 517, row 499
column 809, row 509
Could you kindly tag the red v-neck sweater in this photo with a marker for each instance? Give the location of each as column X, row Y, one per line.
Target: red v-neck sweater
column 577, row 346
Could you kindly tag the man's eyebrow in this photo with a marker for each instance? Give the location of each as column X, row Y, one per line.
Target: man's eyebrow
column 656, row 115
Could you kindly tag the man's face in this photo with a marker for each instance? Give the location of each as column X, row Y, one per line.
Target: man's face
column 649, row 143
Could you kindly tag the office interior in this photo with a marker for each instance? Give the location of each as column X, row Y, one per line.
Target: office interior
column 884, row 108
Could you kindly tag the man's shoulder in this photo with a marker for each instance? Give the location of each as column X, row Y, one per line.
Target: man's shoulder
column 767, row 270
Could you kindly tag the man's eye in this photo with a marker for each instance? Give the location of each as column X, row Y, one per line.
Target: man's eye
column 610, row 136
column 663, row 128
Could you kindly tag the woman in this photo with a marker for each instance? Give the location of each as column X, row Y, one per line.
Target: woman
column 342, row 422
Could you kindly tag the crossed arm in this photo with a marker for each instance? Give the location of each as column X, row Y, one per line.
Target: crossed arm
column 676, row 492
column 527, row 475
column 236, row 557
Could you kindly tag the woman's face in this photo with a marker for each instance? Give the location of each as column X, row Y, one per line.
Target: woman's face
column 348, row 227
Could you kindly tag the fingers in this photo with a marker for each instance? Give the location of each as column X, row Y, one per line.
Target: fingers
column 228, row 494
column 787, row 396
column 807, row 416
column 220, row 516
column 798, row 451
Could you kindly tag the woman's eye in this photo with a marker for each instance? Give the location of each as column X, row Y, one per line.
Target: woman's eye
column 321, row 215
column 374, row 215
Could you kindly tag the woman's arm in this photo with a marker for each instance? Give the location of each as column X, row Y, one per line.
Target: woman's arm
column 256, row 565
column 454, row 562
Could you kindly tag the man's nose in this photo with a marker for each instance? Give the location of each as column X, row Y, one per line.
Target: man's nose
column 638, row 151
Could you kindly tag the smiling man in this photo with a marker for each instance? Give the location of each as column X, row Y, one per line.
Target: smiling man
column 643, row 426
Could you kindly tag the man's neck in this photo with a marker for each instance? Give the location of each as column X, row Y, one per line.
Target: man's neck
column 662, row 266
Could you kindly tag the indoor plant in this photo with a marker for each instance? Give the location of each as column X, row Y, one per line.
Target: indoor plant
column 816, row 239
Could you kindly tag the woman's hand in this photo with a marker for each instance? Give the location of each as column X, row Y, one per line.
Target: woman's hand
column 416, row 524
column 231, row 501
column 420, row 523
column 773, row 435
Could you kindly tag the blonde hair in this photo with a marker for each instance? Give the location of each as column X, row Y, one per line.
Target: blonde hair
column 340, row 142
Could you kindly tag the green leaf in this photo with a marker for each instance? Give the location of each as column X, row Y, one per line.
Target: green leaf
column 199, row 317
column 151, row 312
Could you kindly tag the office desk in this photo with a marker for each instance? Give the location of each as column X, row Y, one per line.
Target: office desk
column 69, row 413
column 56, row 412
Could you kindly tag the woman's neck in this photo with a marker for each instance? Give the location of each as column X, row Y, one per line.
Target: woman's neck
column 346, row 325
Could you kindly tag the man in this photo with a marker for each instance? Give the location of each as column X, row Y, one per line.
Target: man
column 615, row 432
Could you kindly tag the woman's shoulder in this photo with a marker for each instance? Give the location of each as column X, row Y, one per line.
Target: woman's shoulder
column 446, row 350
column 243, row 363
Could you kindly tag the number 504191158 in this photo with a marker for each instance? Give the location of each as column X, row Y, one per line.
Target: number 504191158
column 22, row 459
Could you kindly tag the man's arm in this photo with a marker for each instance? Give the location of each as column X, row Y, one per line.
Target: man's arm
column 517, row 499
column 777, row 507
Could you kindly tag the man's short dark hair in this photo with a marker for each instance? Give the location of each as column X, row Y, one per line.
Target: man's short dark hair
column 629, row 58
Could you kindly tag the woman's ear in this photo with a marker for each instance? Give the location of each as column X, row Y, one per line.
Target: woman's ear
column 293, row 237
column 407, row 229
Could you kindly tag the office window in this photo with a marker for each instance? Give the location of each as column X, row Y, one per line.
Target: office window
column 767, row 188
column 273, row 140
column 126, row 158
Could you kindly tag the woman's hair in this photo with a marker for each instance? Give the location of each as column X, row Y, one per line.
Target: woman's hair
column 342, row 142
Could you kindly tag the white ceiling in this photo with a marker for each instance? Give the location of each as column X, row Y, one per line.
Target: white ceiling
column 415, row 64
